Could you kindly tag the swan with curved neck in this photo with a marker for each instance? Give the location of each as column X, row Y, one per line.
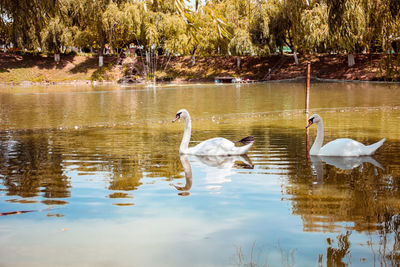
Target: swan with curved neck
column 217, row 146
column 343, row 147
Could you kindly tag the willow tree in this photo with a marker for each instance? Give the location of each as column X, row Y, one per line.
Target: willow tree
column 4, row 32
column 315, row 28
column 207, row 29
column 112, row 21
column 208, row 39
column 133, row 16
column 239, row 16
column 383, row 35
column 383, row 23
column 175, row 38
column 55, row 35
column 240, row 45
column 347, row 26
column 285, row 23
column 260, row 31
column 26, row 19
column 91, row 25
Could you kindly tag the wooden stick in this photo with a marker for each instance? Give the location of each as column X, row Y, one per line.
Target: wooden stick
column 308, row 86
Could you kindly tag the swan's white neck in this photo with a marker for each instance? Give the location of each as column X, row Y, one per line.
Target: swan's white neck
column 186, row 135
column 318, row 140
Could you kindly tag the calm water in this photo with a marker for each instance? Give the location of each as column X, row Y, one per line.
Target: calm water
column 91, row 176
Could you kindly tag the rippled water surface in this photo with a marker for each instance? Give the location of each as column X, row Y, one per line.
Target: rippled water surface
column 91, row 176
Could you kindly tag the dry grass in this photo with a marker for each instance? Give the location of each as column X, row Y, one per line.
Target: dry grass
column 17, row 68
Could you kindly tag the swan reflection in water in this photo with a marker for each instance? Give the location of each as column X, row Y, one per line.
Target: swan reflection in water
column 217, row 168
column 343, row 163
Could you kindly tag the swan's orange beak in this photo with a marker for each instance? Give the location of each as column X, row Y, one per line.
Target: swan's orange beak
column 176, row 118
column 309, row 123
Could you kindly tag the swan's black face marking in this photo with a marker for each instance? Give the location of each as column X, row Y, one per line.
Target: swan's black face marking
column 177, row 117
column 310, row 121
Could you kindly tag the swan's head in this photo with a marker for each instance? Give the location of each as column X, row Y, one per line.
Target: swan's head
column 182, row 113
column 313, row 119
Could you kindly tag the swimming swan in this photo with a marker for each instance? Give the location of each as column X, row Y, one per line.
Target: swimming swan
column 217, row 146
column 343, row 147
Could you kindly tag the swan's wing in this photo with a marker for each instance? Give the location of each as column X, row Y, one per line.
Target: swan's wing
column 343, row 147
column 214, row 146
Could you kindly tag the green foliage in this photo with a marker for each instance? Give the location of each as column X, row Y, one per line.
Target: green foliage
column 241, row 43
column 314, row 23
column 54, row 35
column 348, row 30
column 237, row 27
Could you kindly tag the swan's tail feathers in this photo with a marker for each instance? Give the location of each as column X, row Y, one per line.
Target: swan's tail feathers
column 246, row 140
column 372, row 148
column 243, row 149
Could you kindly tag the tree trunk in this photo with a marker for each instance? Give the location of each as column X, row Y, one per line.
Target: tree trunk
column 101, row 62
column 238, row 61
column 56, row 57
column 193, row 59
column 350, row 60
column 57, row 54
column 194, row 55
column 296, row 60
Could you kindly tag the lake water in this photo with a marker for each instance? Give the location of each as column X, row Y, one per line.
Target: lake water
column 91, row 176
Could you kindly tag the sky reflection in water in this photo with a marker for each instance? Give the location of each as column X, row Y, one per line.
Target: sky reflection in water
column 99, row 169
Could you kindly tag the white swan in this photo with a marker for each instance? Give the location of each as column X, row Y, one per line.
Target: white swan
column 217, row 146
column 343, row 147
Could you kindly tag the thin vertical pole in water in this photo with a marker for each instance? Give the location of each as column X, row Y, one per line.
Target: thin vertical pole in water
column 307, row 106
column 308, row 87
column 307, row 143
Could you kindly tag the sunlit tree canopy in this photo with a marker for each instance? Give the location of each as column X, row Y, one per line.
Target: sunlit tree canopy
column 236, row 27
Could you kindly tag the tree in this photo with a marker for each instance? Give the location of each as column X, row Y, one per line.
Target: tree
column 4, row 31
column 27, row 18
column 54, row 35
column 347, row 26
column 260, row 31
column 112, row 21
column 315, row 28
column 91, row 25
column 285, row 23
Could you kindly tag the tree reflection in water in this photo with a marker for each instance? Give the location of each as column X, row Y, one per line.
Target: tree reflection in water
column 30, row 166
column 358, row 195
column 337, row 256
column 366, row 195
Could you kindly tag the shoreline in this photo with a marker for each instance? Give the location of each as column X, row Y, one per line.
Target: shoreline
column 100, row 83
column 29, row 70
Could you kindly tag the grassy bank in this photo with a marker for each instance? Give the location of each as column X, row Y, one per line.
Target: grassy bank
column 15, row 69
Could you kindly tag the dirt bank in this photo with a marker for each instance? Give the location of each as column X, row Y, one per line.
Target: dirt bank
column 16, row 69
